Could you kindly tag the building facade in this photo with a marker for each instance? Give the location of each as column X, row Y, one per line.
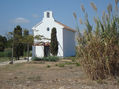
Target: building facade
column 65, row 37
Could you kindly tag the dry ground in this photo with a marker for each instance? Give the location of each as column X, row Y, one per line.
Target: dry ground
column 49, row 75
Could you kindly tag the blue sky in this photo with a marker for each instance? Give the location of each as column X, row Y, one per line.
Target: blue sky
column 27, row 13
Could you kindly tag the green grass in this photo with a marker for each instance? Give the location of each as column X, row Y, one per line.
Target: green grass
column 74, row 58
column 3, row 59
column 61, row 64
column 67, row 63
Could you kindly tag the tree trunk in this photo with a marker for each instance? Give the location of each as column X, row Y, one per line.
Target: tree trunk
column 12, row 61
column 28, row 51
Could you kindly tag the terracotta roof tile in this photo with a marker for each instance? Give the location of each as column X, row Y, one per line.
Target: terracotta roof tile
column 65, row 27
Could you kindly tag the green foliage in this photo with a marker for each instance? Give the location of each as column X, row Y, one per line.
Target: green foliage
column 2, row 54
column 56, row 64
column 6, row 53
column 68, row 63
column 20, row 43
column 99, row 47
column 73, row 60
column 26, row 33
column 5, row 56
column 49, row 58
column 18, row 46
column 27, row 41
column 77, row 64
column 9, row 37
column 61, row 64
column 26, row 54
column 3, row 59
column 48, row 66
column 54, row 43
column 3, row 41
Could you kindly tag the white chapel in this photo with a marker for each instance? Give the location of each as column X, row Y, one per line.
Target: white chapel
column 65, row 37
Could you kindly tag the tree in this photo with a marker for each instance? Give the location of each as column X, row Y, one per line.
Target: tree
column 17, row 44
column 3, row 41
column 9, row 37
column 54, row 43
column 27, row 41
column 25, row 34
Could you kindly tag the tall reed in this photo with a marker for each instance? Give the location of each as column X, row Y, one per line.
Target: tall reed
column 99, row 47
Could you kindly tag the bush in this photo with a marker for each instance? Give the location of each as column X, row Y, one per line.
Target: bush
column 61, row 64
column 54, row 42
column 77, row 64
column 1, row 54
column 26, row 54
column 50, row 58
column 6, row 53
column 3, row 59
column 99, row 48
column 48, row 66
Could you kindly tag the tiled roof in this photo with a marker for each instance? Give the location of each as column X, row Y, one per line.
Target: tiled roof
column 65, row 27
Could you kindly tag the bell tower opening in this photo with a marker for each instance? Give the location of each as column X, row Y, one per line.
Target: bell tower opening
column 48, row 15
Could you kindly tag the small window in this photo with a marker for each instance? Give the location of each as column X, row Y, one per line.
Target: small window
column 48, row 29
column 48, row 14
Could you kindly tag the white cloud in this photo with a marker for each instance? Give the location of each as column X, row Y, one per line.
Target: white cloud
column 21, row 20
column 35, row 15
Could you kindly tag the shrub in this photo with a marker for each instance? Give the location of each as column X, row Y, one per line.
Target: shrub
column 61, row 64
column 54, row 43
column 3, row 59
column 6, row 53
column 48, row 66
column 77, row 64
column 56, row 64
column 99, row 48
column 50, row 58
column 1, row 54
column 36, row 59
column 26, row 53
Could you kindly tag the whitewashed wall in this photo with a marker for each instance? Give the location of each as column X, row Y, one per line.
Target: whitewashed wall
column 68, row 43
column 41, row 29
column 39, row 51
column 65, row 37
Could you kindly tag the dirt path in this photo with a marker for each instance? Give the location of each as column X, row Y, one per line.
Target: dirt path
column 49, row 75
column 8, row 62
column 16, row 61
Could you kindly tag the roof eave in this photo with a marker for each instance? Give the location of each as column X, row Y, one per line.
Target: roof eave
column 70, row 30
column 34, row 27
column 65, row 27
